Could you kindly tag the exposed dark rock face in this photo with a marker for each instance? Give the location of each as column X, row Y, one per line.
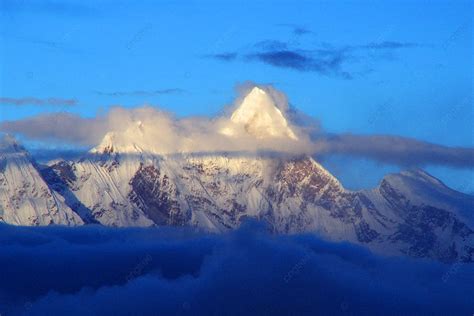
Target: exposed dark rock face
column 421, row 226
column 61, row 177
column 156, row 196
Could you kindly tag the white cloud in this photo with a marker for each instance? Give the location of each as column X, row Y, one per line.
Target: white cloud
column 160, row 132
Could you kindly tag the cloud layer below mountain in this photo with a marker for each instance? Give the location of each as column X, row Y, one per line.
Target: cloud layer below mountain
column 97, row 270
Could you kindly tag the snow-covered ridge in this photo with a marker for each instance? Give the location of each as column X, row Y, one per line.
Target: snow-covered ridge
column 25, row 197
column 131, row 140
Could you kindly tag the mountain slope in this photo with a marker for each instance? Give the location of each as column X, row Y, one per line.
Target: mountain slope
column 428, row 225
column 127, row 180
column 292, row 195
column 25, row 198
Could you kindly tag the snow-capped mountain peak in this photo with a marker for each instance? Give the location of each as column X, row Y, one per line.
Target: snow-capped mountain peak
column 132, row 140
column 259, row 116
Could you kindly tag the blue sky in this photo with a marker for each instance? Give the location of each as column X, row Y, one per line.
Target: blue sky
column 366, row 67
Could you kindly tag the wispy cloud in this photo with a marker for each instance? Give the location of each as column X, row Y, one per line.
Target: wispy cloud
column 285, row 58
column 140, row 93
column 329, row 64
column 275, row 54
column 223, row 56
column 323, row 59
column 61, row 43
column 67, row 8
column 37, row 101
column 388, row 45
column 297, row 29
column 271, row 45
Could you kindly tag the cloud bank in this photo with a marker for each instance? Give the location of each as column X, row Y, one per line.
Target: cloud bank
column 150, row 127
column 64, row 127
column 395, row 150
column 100, row 271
